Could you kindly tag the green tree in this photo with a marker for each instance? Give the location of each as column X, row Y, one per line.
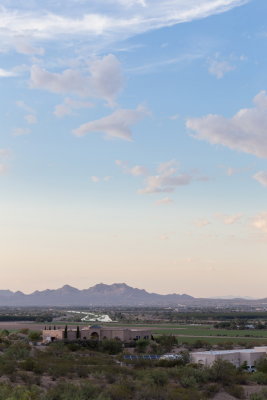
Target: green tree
column 167, row 342
column 262, row 365
column 141, row 345
column 78, row 333
column 223, row 371
column 65, row 332
column 34, row 336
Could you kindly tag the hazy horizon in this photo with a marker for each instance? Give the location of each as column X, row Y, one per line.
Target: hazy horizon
column 133, row 145
column 225, row 296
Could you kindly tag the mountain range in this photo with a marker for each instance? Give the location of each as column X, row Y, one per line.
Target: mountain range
column 117, row 294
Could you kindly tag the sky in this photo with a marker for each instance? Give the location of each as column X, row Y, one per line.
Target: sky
column 133, row 145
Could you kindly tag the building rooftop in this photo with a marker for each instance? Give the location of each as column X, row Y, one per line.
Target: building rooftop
column 218, row 352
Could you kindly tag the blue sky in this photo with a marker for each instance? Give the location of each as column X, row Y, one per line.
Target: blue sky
column 133, row 145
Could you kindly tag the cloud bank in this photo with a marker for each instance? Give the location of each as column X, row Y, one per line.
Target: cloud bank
column 103, row 79
column 245, row 131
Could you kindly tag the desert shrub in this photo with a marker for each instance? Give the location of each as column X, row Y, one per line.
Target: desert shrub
column 31, row 364
column 28, row 378
column 89, row 344
column 262, row 395
column 18, row 351
column 73, row 346
column 4, row 391
column 188, row 381
column 88, row 391
column 152, row 392
column 57, row 349
column 61, row 368
column 262, row 365
column 68, row 391
column 259, row 377
column 236, row 391
column 34, row 336
column 200, row 375
column 169, row 363
column 166, row 342
column 185, row 394
column 19, row 393
column 211, row 389
column 225, row 345
column 141, row 345
column 4, row 333
column 223, row 372
column 24, row 331
column 102, row 396
column 200, row 344
column 63, row 391
column 111, row 346
column 119, row 392
column 142, row 364
column 7, row 367
column 81, row 371
column 185, row 357
column 159, row 377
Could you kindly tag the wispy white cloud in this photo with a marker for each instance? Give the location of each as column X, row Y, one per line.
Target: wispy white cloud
column 92, row 19
column 168, row 179
column 23, row 46
column 136, row 170
column 31, row 119
column 174, row 117
column 21, row 131
column 231, row 171
column 5, row 153
column 245, row 132
column 69, row 105
column 261, row 177
column 164, row 201
column 164, row 237
column 260, row 222
column 116, row 125
column 7, row 74
column 3, row 169
column 21, row 104
column 219, row 68
column 229, row 219
column 201, row 223
column 130, row 3
column 96, row 179
column 156, row 65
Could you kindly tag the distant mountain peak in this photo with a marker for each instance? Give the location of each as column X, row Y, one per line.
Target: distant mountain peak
column 68, row 287
column 116, row 294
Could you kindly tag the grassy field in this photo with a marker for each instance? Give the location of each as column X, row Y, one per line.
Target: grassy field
column 199, row 330
column 184, row 333
column 210, row 331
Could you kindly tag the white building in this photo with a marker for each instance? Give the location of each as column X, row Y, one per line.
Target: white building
column 236, row 357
